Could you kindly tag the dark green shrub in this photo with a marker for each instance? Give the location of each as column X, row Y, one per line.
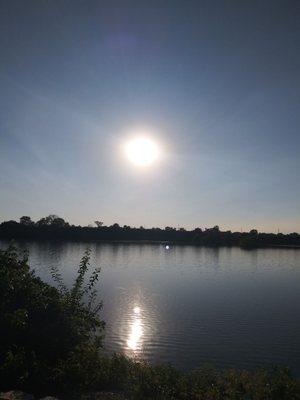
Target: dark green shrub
column 48, row 337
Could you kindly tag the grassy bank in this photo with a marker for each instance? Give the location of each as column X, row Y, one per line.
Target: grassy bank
column 51, row 343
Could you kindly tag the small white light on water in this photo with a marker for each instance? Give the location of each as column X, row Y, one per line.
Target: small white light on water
column 167, row 247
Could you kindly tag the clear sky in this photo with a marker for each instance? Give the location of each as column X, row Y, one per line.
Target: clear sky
column 216, row 82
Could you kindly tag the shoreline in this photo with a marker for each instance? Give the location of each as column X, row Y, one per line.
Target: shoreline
column 148, row 242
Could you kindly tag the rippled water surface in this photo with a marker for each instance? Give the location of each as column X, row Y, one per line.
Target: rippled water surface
column 189, row 305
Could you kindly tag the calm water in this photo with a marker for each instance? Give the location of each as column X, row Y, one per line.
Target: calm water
column 189, row 305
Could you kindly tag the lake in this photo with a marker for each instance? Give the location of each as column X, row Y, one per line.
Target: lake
column 190, row 305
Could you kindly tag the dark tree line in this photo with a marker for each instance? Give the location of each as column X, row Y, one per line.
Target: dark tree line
column 54, row 227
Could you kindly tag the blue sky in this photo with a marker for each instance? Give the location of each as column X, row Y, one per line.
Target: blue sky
column 217, row 82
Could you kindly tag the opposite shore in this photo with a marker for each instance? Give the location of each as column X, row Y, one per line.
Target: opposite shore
column 53, row 227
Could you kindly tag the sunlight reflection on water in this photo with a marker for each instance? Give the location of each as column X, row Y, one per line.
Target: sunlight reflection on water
column 134, row 342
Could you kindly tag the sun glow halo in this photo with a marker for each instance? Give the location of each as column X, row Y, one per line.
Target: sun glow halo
column 142, row 151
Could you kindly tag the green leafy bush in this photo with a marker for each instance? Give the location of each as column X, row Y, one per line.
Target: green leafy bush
column 47, row 336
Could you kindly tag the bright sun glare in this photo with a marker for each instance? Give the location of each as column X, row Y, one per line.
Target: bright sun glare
column 142, row 151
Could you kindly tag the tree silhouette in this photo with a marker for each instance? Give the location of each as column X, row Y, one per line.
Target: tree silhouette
column 52, row 220
column 25, row 220
column 99, row 224
column 55, row 227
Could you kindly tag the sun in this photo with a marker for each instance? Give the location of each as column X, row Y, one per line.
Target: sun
column 142, row 151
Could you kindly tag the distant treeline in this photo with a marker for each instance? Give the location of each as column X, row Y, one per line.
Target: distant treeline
column 56, row 228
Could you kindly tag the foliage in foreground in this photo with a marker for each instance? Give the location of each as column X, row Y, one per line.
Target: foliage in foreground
column 50, row 343
column 48, row 337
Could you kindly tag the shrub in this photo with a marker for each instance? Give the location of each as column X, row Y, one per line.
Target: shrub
column 48, row 337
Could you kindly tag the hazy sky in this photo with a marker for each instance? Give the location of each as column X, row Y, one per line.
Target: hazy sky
column 217, row 82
